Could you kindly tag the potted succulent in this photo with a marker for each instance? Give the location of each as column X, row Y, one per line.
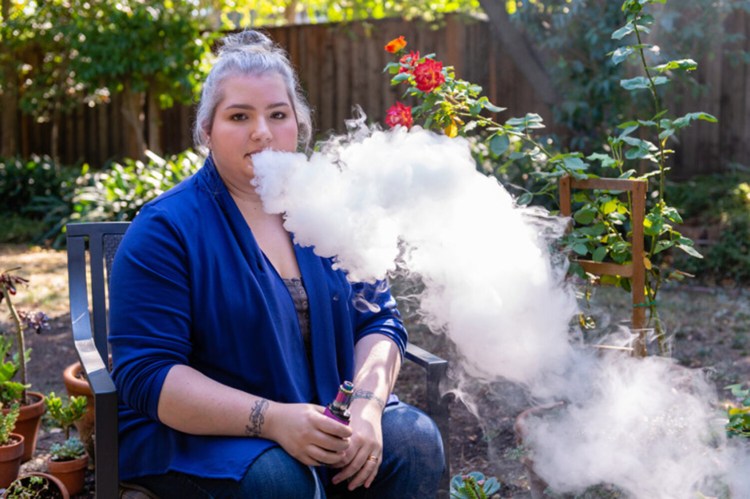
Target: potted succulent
column 36, row 485
column 11, row 447
column 68, row 460
column 77, row 385
column 31, row 403
column 474, row 485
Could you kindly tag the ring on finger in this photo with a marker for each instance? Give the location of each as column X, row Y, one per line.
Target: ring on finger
column 374, row 459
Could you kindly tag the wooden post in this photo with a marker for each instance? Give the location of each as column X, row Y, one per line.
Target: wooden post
column 638, row 280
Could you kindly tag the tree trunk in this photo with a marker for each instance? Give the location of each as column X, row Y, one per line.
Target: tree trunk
column 154, row 124
column 526, row 58
column 8, row 103
column 132, row 111
column 55, row 136
column 290, row 12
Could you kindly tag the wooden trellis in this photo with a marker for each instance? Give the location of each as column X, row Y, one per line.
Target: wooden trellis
column 636, row 269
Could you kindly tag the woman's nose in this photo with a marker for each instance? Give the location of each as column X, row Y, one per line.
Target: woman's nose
column 260, row 131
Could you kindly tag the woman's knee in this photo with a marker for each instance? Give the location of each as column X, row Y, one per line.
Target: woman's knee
column 276, row 474
column 413, row 446
column 406, row 424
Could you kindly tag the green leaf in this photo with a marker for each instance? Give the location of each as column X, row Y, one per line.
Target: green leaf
column 585, row 215
column 689, row 250
column 530, row 121
column 672, row 214
column 684, row 121
column 524, row 199
column 492, row 108
column 662, row 245
column 499, row 143
column 637, row 83
column 599, row 254
column 681, row 64
column 592, row 230
column 605, row 160
column 574, row 163
column 399, row 78
column 580, row 249
column 621, row 54
column 621, row 33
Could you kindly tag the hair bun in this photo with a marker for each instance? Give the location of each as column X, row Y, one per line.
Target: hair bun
column 248, row 39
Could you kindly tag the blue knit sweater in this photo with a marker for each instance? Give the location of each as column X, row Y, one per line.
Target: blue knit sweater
column 191, row 286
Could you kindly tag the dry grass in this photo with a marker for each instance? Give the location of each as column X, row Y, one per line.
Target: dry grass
column 46, row 271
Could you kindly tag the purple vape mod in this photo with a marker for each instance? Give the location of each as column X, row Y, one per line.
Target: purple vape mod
column 339, row 408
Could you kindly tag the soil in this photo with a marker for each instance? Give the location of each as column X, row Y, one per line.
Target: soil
column 710, row 328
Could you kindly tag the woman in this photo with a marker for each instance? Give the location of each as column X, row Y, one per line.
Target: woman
column 228, row 339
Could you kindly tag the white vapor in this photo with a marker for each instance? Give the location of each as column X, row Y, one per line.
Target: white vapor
column 413, row 200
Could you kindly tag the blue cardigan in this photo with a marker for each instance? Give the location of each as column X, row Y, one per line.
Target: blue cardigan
column 191, row 286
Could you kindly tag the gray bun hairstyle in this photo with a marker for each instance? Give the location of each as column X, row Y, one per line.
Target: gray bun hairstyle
column 249, row 53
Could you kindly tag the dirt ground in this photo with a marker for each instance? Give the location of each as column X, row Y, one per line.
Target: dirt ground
column 710, row 327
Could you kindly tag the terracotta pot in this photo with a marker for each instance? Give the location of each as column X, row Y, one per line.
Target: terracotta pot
column 71, row 473
column 10, row 459
column 28, row 423
column 77, row 385
column 56, row 489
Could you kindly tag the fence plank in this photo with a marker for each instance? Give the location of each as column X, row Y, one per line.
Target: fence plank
column 341, row 65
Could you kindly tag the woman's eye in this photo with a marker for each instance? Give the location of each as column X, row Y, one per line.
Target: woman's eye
column 278, row 115
column 238, row 117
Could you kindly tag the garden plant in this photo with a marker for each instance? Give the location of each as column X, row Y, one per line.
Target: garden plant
column 22, row 320
column 640, row 150
column 65, row 412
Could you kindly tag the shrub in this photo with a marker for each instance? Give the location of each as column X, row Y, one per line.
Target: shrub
column 42, row 189
column 718, row 208
column 119, row 192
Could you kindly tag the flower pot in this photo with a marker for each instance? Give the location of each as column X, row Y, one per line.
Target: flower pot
column 28, row 423
column 71, row 473
column 55, row 489
column 77, row 385
column 10, row 459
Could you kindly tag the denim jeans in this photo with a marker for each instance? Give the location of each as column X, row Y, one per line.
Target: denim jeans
column 413, row 462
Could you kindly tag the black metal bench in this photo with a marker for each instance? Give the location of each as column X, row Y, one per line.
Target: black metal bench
column 91, row 251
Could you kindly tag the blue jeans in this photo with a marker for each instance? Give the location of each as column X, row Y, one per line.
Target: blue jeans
column 413, row 462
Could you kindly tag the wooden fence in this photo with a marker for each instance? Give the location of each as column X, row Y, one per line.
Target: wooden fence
column 341, row 66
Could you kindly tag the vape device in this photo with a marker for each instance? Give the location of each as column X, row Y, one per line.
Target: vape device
column 339, row 408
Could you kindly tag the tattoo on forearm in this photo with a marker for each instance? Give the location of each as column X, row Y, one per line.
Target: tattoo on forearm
column 257, row 418
column 365, row 394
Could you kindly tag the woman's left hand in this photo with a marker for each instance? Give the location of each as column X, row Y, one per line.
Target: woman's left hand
column 362, row 459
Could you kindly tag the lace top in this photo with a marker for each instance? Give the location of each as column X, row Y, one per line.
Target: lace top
column 302, row 306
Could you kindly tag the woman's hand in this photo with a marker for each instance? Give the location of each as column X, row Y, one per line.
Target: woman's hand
column 361, row 461
column 307, row 434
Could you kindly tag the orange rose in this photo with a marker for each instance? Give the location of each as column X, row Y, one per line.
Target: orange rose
column 399, row 114
column 395, row 45
column 429, row 75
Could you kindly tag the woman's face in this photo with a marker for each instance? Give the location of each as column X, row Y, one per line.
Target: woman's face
column 254, row 114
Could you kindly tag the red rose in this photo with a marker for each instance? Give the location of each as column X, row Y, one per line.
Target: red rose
column 408, row 62
column 399, row 114
column 395, row 45
column 429, row 75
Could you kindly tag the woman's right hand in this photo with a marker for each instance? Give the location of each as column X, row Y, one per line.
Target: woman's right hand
column 307, row 434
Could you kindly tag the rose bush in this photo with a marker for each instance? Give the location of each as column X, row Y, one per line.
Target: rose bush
column 602, row 228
